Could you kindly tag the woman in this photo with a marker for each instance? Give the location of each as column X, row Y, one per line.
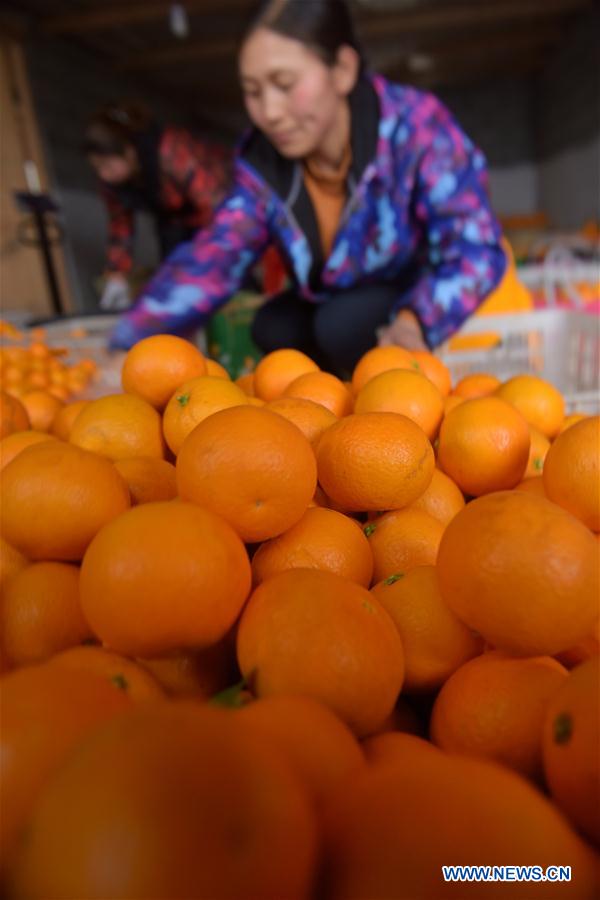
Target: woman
column 373, row 195
column 167, row 171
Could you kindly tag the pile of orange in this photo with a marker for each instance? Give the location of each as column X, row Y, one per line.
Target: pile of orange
column 37, row 367
column 296, row 637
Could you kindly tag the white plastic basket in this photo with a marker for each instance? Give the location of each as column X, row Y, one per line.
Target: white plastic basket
column 86, row 337
column 559, row 345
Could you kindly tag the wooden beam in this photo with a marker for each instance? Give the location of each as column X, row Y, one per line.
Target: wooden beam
column 375, row 28
column 172, row 54
column 482, row 46
column 116, row 15
column 473, row 15
column 202, row 50
column 468, row 72
column 23, row 284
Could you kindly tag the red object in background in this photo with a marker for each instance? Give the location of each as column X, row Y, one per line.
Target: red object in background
column 274, row 272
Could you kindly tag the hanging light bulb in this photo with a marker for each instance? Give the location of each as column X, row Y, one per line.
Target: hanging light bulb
column 178, row 20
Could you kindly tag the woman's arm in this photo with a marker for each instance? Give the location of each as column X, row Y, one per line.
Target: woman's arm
column 203, row 274
column 463, row 259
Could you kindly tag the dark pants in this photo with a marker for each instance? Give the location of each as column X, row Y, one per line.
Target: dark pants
column 335, row 333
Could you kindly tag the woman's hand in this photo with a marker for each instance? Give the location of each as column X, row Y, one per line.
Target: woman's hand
column 404, row 331
column 115, row 296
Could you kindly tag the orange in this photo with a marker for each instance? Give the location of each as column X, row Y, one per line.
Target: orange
column 42, row 408
column 494, row 706
column 193, row 402
column 522, row 572
column 442, row 499
column 38, row 349
column 164, row 576
column 41, row 613
column 13, row 415
column 570, row 741
column 251, row 466
column 11, row 562
column 46, row 711
column 373, row 461
column 65, row 418
column 148, row 479
column 396, row 748
column 277, row 370
column 195, row 674
column 537, row 453
column 378, row 360
column 157, row 365
column 402, row 539
column 59, row 393
column 478, row 384
column 435, row 641
column 14, row 443
column 311, row 418
column 315, row 742
column 484, row 446
column 322, row 539
column 12, row 379
column 215, row 369
column 389, row 833
column 246, row 382
column 133, row 679
column 55, row 497
column 585, row 649
column 119, row 426
column 314, row 633
column 571, row 419
column 433, row 368
column 403, row 718
column 37, row 380
column 451, row 402
column 323, row 388
column 207, row 808
column 406, row 392
column 537, row 400
column 572, row 471
column 533, row 485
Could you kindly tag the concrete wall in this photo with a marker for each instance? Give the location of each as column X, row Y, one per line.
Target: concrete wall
column 498, row 116
column 569, row 185
column 567, row 126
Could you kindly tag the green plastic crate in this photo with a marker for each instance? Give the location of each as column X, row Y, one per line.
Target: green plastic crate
column 229, row 334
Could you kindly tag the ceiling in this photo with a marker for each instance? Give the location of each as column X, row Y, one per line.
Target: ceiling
column 429, row 43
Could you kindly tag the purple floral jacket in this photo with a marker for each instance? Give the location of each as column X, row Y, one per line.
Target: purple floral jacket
column 418, row 216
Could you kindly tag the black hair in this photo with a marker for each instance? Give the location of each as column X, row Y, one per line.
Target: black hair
column 322, row 25
column 115, row 127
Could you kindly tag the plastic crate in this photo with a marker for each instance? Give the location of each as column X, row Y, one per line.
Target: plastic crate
column 86, row 337
column 229, row 334
column 559, row 345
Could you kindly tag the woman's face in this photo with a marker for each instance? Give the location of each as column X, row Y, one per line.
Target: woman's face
column 291, row 95
column 115, row 169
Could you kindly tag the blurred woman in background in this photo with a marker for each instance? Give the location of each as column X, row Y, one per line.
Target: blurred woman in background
column 375, row 198
column 166, row 171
